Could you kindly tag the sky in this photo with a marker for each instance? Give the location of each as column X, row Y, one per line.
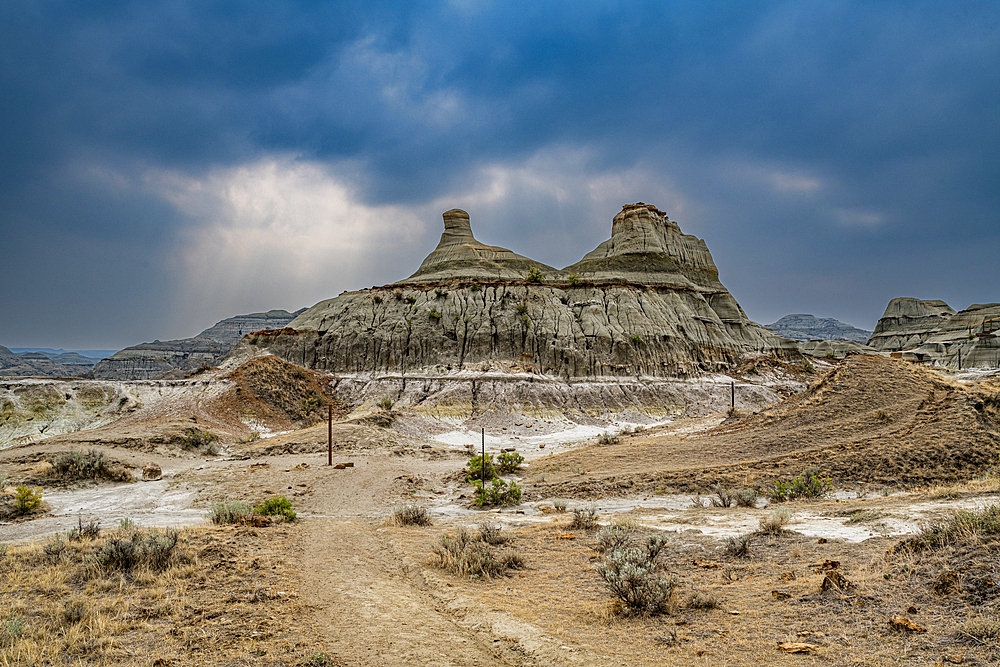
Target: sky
column 164, row 165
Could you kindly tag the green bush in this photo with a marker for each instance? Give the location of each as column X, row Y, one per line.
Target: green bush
column 534, row 275
column 27, row 500
column 573, row 278
column 386, row 403
column 498, row 493
column 584, row 517
column 739, row 546
column 805, row 486
column 475, row 468
column 276, row 506
column 229, row 512
column 508, row 462
column 196, row 439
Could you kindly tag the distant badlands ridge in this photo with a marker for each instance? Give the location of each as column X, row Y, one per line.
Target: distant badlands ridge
column 647, row 302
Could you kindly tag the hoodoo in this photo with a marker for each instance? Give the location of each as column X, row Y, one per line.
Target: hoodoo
column 645, row 303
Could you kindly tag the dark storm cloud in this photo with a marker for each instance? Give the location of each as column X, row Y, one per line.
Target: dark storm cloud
column 833, row 154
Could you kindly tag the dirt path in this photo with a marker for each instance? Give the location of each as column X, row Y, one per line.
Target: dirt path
column 372, row 605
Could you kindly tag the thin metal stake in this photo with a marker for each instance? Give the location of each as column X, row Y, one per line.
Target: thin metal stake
column 482, row 461
column 329, row 435
column 733, row 387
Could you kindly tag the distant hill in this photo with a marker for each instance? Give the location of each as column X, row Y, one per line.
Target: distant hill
column 810, row 327
column 174, row 359
column 96, row 355
column 41, row 364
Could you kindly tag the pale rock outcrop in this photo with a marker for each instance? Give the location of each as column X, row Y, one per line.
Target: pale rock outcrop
column 175, row 359
column 804, row 327
column 969, row 339
column 908, row 322
column 834, row 349
column 646, row 303
column 459, row 256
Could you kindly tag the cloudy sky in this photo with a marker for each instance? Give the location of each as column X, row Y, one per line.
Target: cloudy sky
column 168, row 164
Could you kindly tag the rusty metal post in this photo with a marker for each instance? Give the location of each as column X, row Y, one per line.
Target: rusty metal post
column 329, row 435
column 482, row 461
column 732, row 400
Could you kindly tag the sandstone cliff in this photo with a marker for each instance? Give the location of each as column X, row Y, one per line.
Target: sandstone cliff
column 645, row 303
column 803, row 327
column 174, row 359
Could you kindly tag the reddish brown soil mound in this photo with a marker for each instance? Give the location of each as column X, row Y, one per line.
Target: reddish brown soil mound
column 871, row 419
column 282, row 394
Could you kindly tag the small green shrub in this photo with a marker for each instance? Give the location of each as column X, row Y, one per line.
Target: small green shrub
column 318, row 659
column 77, row 465
column 440, row 293
column 27, row 500
column 386, row 403
column 807, row 366
column 229, row 512
column 276, row 506
column 475, row 468
column 747, row 497
column 499, row 492
column 608, row 438
column 410, row 300
column 534, row 275
column 573, row 278
column 410, row 515
column 521, row 308
column 508, row 462
column 435, row 315
column 805, row 486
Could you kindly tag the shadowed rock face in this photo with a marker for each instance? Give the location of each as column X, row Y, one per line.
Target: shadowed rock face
column 646, row 302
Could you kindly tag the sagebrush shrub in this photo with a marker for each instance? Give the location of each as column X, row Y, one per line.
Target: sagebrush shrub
column 774, row 523
column 612, row 537
column 152, row 551
column 739, row 546
column 229, row 512
column 410, row 515
column 465, row 555
column 584, row 517
column 635, row 580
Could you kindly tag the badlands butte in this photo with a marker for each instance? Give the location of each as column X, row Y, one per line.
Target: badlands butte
column 634, row 387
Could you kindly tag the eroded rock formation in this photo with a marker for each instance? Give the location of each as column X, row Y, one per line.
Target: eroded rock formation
column 647, row 302
column 931, row 331
column 174, row 359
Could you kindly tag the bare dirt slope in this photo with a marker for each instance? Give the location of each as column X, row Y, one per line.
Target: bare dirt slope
column 870, row 420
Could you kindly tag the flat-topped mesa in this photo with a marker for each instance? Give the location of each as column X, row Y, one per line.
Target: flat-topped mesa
column 459, row 256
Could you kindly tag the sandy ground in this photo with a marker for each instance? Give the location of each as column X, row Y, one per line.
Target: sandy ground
column 375, row 596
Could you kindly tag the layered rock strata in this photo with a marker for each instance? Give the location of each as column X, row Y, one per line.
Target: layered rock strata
column 40, row 364
column 931, row 331
column 174, row 359
column 908, row 322
column 645, row 303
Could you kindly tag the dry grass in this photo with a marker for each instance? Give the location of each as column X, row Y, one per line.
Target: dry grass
column 226, row 593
